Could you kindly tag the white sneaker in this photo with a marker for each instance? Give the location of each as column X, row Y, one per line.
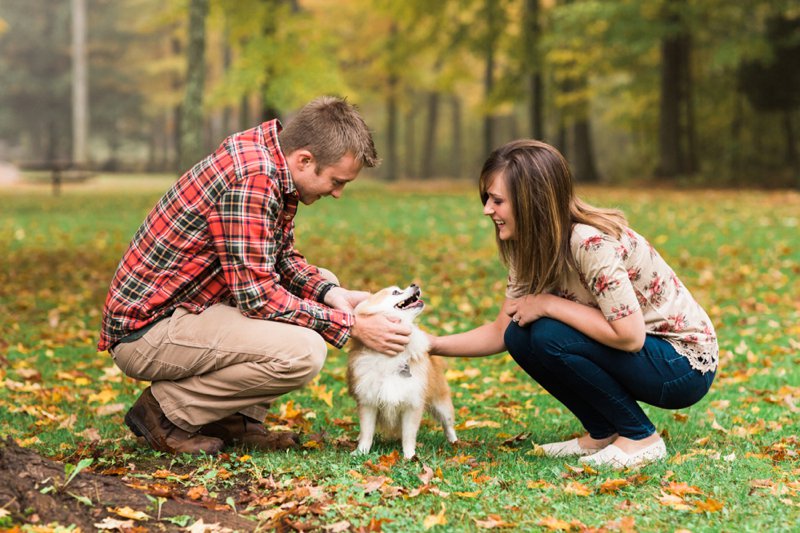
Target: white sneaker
column 563, row 449
column 616, row 458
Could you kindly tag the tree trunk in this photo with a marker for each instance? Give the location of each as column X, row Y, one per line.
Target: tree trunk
column 409, row 167
column 390, row 164
column 80, row 84
column 691, row 163
column 488, row 119
column 534, row 69
column 583, row 164
column 676, row 136
column 192, row 120
column 457, row 147
column 488, row 76
column 429, row 145
column 392, row 83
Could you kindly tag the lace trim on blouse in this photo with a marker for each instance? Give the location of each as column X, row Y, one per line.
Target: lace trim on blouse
column 702, row 357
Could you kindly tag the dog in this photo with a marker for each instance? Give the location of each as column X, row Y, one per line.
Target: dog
column 392, row 392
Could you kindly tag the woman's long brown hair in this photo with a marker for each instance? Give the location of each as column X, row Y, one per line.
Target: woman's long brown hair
column 545, row 210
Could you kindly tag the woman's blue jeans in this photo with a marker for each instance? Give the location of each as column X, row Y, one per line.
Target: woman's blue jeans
column 601, row 385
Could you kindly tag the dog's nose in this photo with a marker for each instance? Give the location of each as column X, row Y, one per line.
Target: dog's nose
column 413, row 285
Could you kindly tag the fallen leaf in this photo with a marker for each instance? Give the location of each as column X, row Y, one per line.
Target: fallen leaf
column 681, row 489
column 578, row 489
column 473, row 424
column 555, row 524
column 611, row 486
column 113, row 523
column 676, row 502
column 435, row 519
column 127, row 512
column 197, row 492
column 338, row 527
column 110, row 409
column 492, row 521
column 427, row 475
column 708, row 506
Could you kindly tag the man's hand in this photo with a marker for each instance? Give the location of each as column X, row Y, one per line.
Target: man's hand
column 381, row 333
column 343, row 299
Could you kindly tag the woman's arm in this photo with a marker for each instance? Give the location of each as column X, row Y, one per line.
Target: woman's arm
column 627, row 334
column 479, row 342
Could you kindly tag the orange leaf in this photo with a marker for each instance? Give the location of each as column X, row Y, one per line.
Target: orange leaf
column 611, row 486
column 197, row 492
column 681, row 489
column 708, row 506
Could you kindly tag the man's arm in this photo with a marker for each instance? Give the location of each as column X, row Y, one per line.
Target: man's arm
column 244, row 231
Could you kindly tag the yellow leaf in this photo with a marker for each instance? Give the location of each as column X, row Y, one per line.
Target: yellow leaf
column 472, row 424
column 104, row 396
column 435, row 519
column 468, row 494
column 127, row 512
column 578, row 489
column 321, row 392
column 493, row 521
column 554, row 524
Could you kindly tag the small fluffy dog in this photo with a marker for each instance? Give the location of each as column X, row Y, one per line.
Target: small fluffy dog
column 392, row 392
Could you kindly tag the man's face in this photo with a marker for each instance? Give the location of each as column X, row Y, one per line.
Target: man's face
column 330, row 182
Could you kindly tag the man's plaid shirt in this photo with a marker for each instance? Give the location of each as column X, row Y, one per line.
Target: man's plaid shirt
column 223, row 233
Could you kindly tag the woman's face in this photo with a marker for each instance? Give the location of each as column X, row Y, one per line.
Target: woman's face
column 498, row 207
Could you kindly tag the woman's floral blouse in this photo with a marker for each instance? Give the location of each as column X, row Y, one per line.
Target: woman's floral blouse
column 619, row 276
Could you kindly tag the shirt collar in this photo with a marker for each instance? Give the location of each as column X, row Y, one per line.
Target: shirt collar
column 270, row 130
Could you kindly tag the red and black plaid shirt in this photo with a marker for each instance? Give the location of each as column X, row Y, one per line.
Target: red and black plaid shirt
column 223, row 232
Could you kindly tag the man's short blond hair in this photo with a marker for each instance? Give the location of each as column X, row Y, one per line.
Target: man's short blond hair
column 329, row 127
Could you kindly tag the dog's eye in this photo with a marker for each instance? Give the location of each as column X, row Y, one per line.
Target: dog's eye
column 396, row 292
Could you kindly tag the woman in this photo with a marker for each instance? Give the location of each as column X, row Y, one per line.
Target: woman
column 592, row 311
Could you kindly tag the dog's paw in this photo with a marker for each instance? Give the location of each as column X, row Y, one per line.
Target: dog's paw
column 361, row 450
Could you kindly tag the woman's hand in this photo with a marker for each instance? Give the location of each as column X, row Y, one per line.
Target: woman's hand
column 529, row 308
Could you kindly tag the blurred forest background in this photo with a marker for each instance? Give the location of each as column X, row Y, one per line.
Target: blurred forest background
column 700, row 92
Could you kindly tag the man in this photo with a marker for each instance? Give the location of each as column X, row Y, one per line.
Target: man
column 212, row 303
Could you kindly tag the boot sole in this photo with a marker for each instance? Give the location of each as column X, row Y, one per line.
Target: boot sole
column 140, row 430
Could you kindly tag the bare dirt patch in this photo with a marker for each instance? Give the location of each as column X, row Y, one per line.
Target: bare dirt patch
column 24, row 474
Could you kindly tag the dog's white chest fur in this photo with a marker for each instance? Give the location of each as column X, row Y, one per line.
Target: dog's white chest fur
column 389, row 383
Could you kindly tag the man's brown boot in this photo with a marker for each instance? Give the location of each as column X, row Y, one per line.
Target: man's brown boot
column 238, row 429
column 147, row 419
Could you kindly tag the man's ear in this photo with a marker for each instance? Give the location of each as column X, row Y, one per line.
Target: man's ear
column 302, row 159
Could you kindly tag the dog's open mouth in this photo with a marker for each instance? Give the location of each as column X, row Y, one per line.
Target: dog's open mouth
column 412, row 301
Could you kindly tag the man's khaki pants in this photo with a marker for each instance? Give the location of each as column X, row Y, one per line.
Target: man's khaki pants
column 208, row 366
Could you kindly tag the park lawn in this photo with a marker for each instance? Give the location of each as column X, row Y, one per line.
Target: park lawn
column 734, row 464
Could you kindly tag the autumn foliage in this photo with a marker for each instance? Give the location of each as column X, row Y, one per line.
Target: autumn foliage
column 734, row 461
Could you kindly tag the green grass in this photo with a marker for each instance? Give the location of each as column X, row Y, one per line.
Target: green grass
column 738, row 252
